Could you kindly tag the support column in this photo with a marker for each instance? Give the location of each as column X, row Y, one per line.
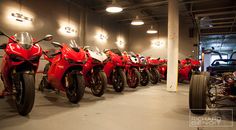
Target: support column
column 173, row 45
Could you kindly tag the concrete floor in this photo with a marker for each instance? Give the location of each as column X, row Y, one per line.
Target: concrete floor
column 144, row 108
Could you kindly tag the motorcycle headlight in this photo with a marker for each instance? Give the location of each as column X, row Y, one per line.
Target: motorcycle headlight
column 35, row 59
column 26, row 46
column 16, row 58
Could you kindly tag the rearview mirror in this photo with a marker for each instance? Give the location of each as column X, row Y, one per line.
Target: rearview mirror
column 46, row 38
column 57, row 44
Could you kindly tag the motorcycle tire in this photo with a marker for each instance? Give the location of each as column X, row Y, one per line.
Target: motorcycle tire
column 119, row 82
column 76, row 87
column 154, row 76
column 144, row 78
column 25, row 102
column 102, row 79
column 136, row 75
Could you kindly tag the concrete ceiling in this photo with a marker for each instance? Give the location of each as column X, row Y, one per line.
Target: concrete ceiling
column 209, row 17
column 221, row 13
column 221, row 43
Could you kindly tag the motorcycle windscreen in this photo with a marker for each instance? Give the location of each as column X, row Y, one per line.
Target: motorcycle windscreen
column 74, row 45
column 24, row 39
column 96, row 53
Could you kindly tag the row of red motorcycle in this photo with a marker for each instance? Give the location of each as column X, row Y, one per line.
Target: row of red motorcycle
column 70, row 69
column 187, row 67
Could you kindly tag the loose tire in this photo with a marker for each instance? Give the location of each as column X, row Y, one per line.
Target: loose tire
column 76, row 87
column 100, row 84
column 133, row 83
column 197, row 94
column 25, row 94
column 119, row 80
column 154, row 76
column 144, row 78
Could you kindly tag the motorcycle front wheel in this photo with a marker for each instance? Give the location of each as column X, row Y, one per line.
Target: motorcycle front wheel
column 100, row 83
column 119, row 80
column 154, row 76
column 133, row 78
column 25, row 93
column 75, row 87
column 144, row 77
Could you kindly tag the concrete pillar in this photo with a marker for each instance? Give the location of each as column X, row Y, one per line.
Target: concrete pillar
column 173, row 45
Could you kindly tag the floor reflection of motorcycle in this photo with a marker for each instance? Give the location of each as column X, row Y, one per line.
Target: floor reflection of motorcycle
column 65, row 71
column 162, row 68
column 114, row 69
column 152, row 64
column 93, row 72
column 131, row 69
column 19, row 67
column 143, row 70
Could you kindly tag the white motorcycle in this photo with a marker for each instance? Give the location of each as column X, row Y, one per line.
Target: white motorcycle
column 95, row 77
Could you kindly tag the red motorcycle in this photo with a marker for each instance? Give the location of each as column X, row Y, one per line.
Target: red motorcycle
column 19, row 67
column 143, row 70
column 114, row 69
column 187, row 68
column 93, row 72
column 185, row 71
column 65, row 71
column 131, row 69
column 162, row 68
column 152, row 64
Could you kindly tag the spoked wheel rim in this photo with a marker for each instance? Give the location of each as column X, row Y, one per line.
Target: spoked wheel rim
column 19, row 93
column 71, row 84
column 133, row 78
column 153, row 76
column 144, row 77
column 97, row 86
column 117, row 80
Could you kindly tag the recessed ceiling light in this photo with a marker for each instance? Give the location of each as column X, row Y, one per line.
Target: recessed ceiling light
column 137, row 21
column 151, row 30
column 114, row 8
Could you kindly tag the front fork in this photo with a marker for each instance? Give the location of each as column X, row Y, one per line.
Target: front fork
column 14, row 83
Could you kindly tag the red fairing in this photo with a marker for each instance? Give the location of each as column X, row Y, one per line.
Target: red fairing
column 15, row 50
column 62, row 62
column 162, row 68
column 115, row 60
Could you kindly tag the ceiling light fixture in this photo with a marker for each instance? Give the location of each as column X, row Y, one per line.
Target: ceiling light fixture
column 114, row 7
column 137, row 21
column 151, row 30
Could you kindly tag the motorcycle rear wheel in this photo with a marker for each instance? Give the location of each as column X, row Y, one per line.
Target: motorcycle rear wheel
column 144, row 78
column 135, row 74
column 119, row 80
column 155, row 76
column 100, row 86
column 76, row 87
column 25, row 96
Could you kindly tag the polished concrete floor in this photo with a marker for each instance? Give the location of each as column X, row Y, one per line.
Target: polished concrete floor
column 144, row 108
